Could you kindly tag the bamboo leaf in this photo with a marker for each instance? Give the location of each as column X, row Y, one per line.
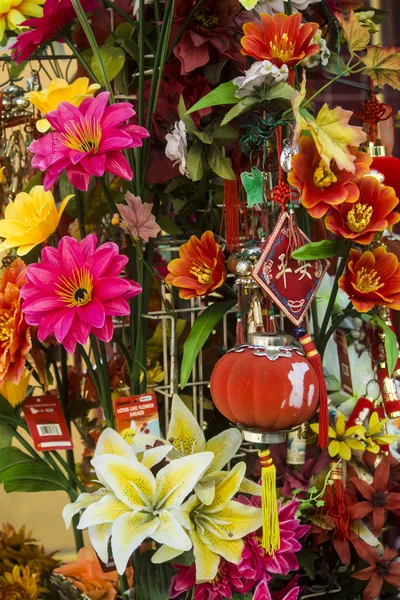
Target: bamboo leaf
column 199, row 334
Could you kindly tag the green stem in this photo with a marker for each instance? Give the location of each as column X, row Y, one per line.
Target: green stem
column 91, row 371
column 288, row 7
column 335, row 324
column 102, row 381
column 314, row 310
column 83, row 20
column 126, row 18
column 107, row 388
column 80, row 58
column 80, row 213
column 332, row 299
column 229, row 291
column 71, row 473
column 123, row 584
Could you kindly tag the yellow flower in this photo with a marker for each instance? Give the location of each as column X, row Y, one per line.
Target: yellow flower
column 59, row 91
column 19, row 585
column 14, row 12
column 376, row 436
column 343, row 441
column 2, row 174
column 15, row 393
column 30, row 219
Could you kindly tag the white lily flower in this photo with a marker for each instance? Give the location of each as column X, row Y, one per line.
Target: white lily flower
column 260, row 73
column 177, row 148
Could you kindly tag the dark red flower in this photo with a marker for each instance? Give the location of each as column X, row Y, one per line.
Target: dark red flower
column 377, row 499
column 381, row 569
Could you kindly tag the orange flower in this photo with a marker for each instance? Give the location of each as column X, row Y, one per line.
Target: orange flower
column 200, row 269
column 323, row 186
column 372, row 278
column 86, row 575
column 15, row 336
column 281, row 39
column 373, row 212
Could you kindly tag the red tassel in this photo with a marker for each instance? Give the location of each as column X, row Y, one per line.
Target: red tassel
column 337, row 505
column 232, row 214
column 314, row 358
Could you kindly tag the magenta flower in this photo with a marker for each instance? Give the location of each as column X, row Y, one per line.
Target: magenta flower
column 76, row 290
column 56, row 15
column 88, row 140
column 262, row 592
column 284, row 560
column 227, row 581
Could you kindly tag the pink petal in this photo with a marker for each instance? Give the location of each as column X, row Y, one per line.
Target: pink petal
column 110, row 287
column 80, row 330
column 100, row 260
column 69, row 342
column 64, row 323
column 47, row 324
column 117, row 265
column 88, row 245
column 78, row 178
column 105, row 333
column 96, row 106
column 134, row 289
column 116, row 114
column 50, row 256
column 93, row 313
column 95, row 165
column 118, row 165
column 117, row 307
column 262, row 592
column 44, row 303
column 43, row 276
column 116, row 139
column 71, row 256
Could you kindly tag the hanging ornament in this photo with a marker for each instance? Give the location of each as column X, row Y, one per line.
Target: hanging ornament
column 266, row 389
column 336, row 503
column 253, row 184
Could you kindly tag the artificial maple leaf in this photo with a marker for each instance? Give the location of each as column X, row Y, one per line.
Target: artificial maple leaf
column 332, row 134
column 383, row 65
column 138, row 219
column 356, row 36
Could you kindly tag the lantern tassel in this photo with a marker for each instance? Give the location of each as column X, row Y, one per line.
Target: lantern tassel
column 271, row 533
column 336, row 503
column 314, row 358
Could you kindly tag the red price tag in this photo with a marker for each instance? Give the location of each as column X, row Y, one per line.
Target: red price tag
column 137, row 414
column 47, row 424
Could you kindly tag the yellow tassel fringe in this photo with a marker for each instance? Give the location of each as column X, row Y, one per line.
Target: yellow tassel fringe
column 271, row 531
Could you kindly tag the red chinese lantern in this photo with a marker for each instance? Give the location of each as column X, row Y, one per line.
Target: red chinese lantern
column 266, row 389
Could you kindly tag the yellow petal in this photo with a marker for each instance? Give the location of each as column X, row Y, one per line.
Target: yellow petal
column 127, row 533
column 171, row 533
column 344, row 451
column 15, row 393
column 233, row 522
column 249, row 4
column 110, row 442
column 315, row 427
column 227, row 488
column 99, row 536
column 333, row 448
column 184, row 432
column 356, row 430
column 153, row 456
column 355, row 444
column 205, row 491
column 385, row 439
column 340, row 424
column 246, row 487
column 372, row 447
column 42, row 125
column 224, row 446
column 230, row 550
column 165, row 554
column 83, row 501
column 331, row 432
column 105, row 510
column 207, row 562
column 178, row 478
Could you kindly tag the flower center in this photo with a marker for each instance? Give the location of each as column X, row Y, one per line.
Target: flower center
column 323, row 176
column 207, row 18
column 379, row 499
column 84, row 136
column 15, row 591
column 368, row 281
column 282, row 48
column 359, row 217
column 202, row 273
column 383, row 567
column 76, row 290
column 6, row 325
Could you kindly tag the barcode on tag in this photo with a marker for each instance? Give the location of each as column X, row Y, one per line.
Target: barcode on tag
column 45, row 430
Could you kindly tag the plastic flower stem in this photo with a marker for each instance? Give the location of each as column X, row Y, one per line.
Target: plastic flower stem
column 141, row 39
column 104, row 387
column 91, row 371
column 127, row 18
column 331, row 303
column 314, row 311
column 229, row 291
column 157, row 16
column 190, row 16
column 63, row 394
column 288, row 7
column 79, row 56
column 335, row 324
column 83, row 20
column 64, row 464
column 80, row 213
column 104, row 362
column 123, row 584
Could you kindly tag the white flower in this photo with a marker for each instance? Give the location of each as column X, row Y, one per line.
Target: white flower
column 274, row 6
column 322, row 58
column 176, row 149
column 260, row 73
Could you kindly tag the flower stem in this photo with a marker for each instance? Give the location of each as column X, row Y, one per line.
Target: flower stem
column 332, row 299
column 80, row 59
column 127, row 18
column 335, row 324
column 123, row 584
column 80, row 213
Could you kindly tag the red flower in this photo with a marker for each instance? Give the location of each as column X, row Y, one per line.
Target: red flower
column 281, row 39
column 200, row 269
column 373, row 212
column 376, row 497
column 209, row 37
column 56, row 15
column 324, row 186
column 372, row 278
column 381, row 569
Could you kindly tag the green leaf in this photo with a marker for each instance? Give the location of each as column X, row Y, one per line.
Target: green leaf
column 10, row 457
column 36, row 180
column 168, row 225
column 124, row 31
column 113, row 58
column 334, row 63
column 151, row 581
column 131, row 48
column 190, row 127
column 224, row 135
column 379, row 15
column 390, row 341
column 6, row 408
column 33, row 477
column 241, row 107
column 219, row 164
column 16, row 70
column 280, row 91
column 316, row 250
column 199, row 334
column 213, row 72
column 223, row 94
column 6, row 435
column 195, row 162
column 306, row 559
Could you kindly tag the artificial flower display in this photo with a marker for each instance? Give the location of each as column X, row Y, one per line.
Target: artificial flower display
column 343, row 440
column 372, row 212
column 88, row 140
column 30, row 219
column 224, row 585
column 15, row 333
column 281, row 39
column 60, row 90
column 45, row 27
column 199, row 270
column 376, row 435
column 382, row 567
column 15, row 12
column 372, row 278
column 324, row 186
column 137, row 218
column 76, row 290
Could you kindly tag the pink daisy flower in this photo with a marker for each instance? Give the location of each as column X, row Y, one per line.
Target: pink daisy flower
column 88, row 140
column 76, row 290
column 56, row 15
